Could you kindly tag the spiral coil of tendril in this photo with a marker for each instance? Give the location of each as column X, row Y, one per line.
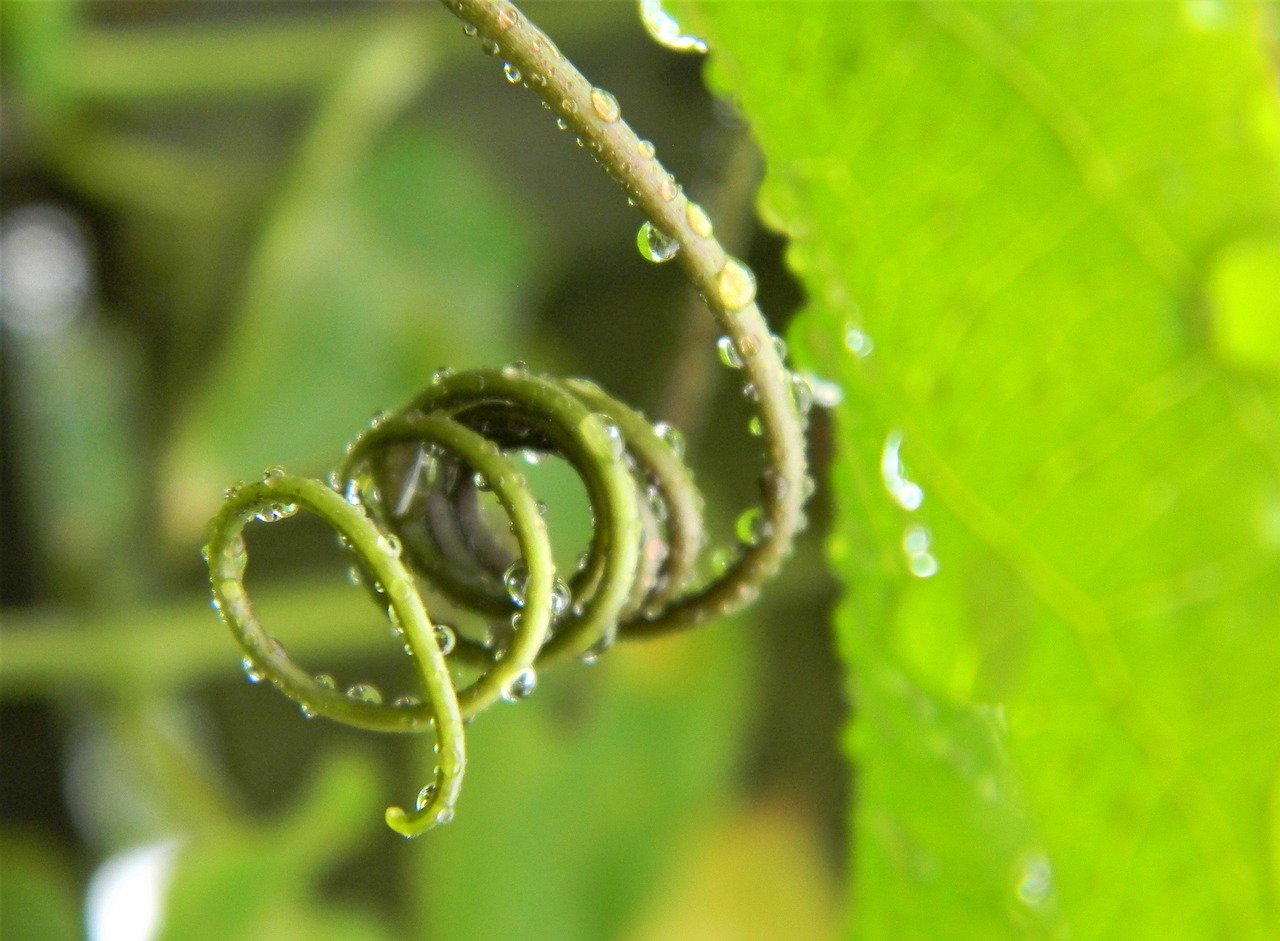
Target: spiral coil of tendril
column 407, row 499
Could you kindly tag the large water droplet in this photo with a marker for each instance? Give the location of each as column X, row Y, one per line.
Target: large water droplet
column 655, row 245
column 698, row 220
column 825, row 394
column 512, row 73
column 751, row 527
column 801, row 393
column 425, row 795
column 672, row 436
column 617, row 447
column 521, row 687
column 516, row 581
column 1034, row 881
column 736, row 285
column 646, row 149
column 915, row 545
column 560, row 597
column 906, row 494
column 729, row 354
column 506, row 18
column 446, row 638
column 605, row 105
column 858, row 343
column 366, row 693
column 663, row 27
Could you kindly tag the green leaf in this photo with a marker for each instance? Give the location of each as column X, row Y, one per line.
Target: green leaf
column 1060, row 226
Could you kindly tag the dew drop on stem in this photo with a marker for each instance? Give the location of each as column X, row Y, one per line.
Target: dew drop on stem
column 605, row 105
column 655, row 245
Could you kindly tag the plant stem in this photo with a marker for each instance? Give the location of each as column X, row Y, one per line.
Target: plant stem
column 593, row 115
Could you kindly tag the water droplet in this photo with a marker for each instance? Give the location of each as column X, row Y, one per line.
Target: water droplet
column 252, row 672
column 516, row 581
column 481, row 482
column 469, row 30
column 560, row 597
column 597, row 650
column 560, row 123
column 366, row 693
column 801, row 393
column 274, row 472
column 752, row 527
column 698, row 220
column 605, row 105
column 729, row 354
column 617, row 447
column 646, row 149
column 446, row 638
column 655, row 245
column 1034, row 881
column 906, row 494
column 668, row 189
column 307, row 711
column 506, row 18
column 489, row 47
column 915, row 544
column 406, row 702
column 441, row 374
column 736, row 285
column 445, row 816
column 825, row 394
column 773, row 485
column 569, row 106
column 521, row 687
column 858, row 343
column 325, row 680
column 672, row 436
column 755, row 426
column 750, row 392
column 425, row 795
column 512, row 73
column 664, row 29
column 721, row 559
column 389, row 544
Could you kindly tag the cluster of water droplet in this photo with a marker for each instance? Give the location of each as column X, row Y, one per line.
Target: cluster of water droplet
column 909, row 496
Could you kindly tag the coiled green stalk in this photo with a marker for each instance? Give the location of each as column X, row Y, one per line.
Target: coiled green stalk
column 406, row 500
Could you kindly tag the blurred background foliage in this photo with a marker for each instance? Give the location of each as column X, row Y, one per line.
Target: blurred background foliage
column 231, row 234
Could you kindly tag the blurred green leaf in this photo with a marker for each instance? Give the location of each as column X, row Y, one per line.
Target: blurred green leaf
column 1059, row 227
column 391, row 252
column 255, row 881
column 575, row 801
column 37, row 892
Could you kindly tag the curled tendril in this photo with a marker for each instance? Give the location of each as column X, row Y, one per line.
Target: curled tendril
column 407, row 498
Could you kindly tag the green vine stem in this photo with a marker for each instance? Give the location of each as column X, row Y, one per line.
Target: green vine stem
column 278, row 496
column 408, row 500
column 594, row 116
